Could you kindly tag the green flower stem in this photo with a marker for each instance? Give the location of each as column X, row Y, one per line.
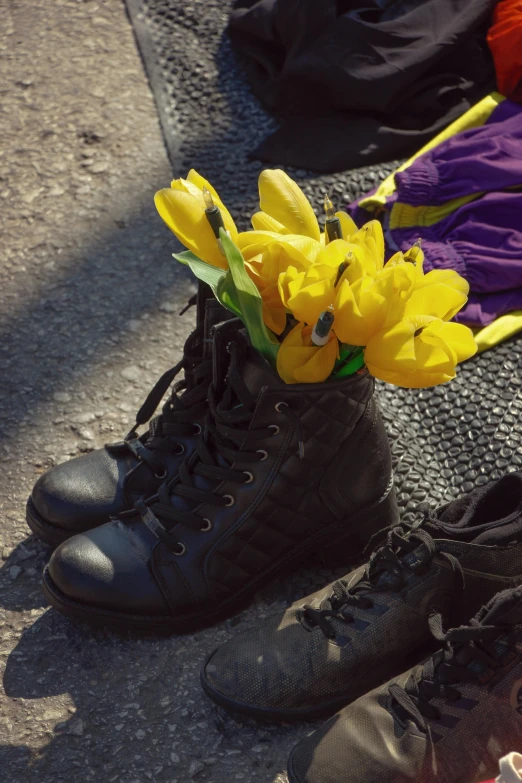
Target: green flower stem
column 250, row 302
column 351, row 359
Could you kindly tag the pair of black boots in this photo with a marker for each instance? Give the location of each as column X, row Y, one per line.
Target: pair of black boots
column 239, row 479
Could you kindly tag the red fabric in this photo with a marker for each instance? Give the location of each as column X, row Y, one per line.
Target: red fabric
column 505, row 42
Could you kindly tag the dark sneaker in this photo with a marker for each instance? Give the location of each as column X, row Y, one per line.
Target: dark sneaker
column 448, row 721
column 328, row 649
column 280, row 472
column 88, row 490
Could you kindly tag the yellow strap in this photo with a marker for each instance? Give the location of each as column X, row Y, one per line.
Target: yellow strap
column 473, row 118
column 501, row 329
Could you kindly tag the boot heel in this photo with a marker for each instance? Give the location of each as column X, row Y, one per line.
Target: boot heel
column 355, row 533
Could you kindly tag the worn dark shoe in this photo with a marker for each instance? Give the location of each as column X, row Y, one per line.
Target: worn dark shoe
column 280, row 472
column 88, row 490
column 328, row 649
column 449, row 720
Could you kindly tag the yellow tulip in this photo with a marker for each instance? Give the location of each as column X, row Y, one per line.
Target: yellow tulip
column 284, row 201
column 266, row 268
column 372, row 304
column 298, row 361
column 182, row 207
column 309, row 291
column 362, row 305
column 419, row 351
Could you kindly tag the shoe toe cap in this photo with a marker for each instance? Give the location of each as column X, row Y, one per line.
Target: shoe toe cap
column 107, row 568
column 80, row 494
column 258, row 670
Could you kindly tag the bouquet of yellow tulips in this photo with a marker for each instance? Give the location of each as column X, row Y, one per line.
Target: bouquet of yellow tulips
column 321, row 304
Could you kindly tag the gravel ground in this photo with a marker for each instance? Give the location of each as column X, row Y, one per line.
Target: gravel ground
column 89, row 297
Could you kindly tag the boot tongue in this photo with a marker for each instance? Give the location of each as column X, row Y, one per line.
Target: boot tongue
column 505, row 608
column 486, row 515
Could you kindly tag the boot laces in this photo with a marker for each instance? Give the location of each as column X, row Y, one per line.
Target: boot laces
column 469, row 653
column 388, row 570
column 226, row 438
column 179, row 415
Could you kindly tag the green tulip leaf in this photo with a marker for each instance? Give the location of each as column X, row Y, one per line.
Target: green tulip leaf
column 226, row 293
column 250, row 302
column 220, row 280
column 203, row 271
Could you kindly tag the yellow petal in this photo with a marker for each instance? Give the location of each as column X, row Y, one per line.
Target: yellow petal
column 282, row 199
column 371, row 235
column 334, row 253
column 311, row 300
column 200, row 182
column 438, row 300
column 182, row 213
column 348, row 226
column 285, row 280
column 246, row 238
column 352, row 324
column 393, row 349
column 263, row 222
column 457, row 336
column 448, row 277
column 300, row 362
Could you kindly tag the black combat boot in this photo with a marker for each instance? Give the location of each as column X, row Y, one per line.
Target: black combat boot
column 87, row 491
column 280, row 472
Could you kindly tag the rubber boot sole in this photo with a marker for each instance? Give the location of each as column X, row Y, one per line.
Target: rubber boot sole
column 47, row 532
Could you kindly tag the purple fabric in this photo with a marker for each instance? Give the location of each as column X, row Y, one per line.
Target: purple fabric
column 482, row 239
column 483, row 242
column 475, row 161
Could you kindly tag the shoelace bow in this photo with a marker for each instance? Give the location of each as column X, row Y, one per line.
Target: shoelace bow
column 450, row 666
column 388, row 560
column 179, row 415
column 226, row 439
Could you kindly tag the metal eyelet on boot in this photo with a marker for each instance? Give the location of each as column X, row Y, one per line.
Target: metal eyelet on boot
column 230, row 499
column 162, row 475
column 279, row 405
column 249, row 476
column 198, row 428
column 180, row 449
column 264, row 453
column 273, row 427
column 181, row 551
column 208, row 525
